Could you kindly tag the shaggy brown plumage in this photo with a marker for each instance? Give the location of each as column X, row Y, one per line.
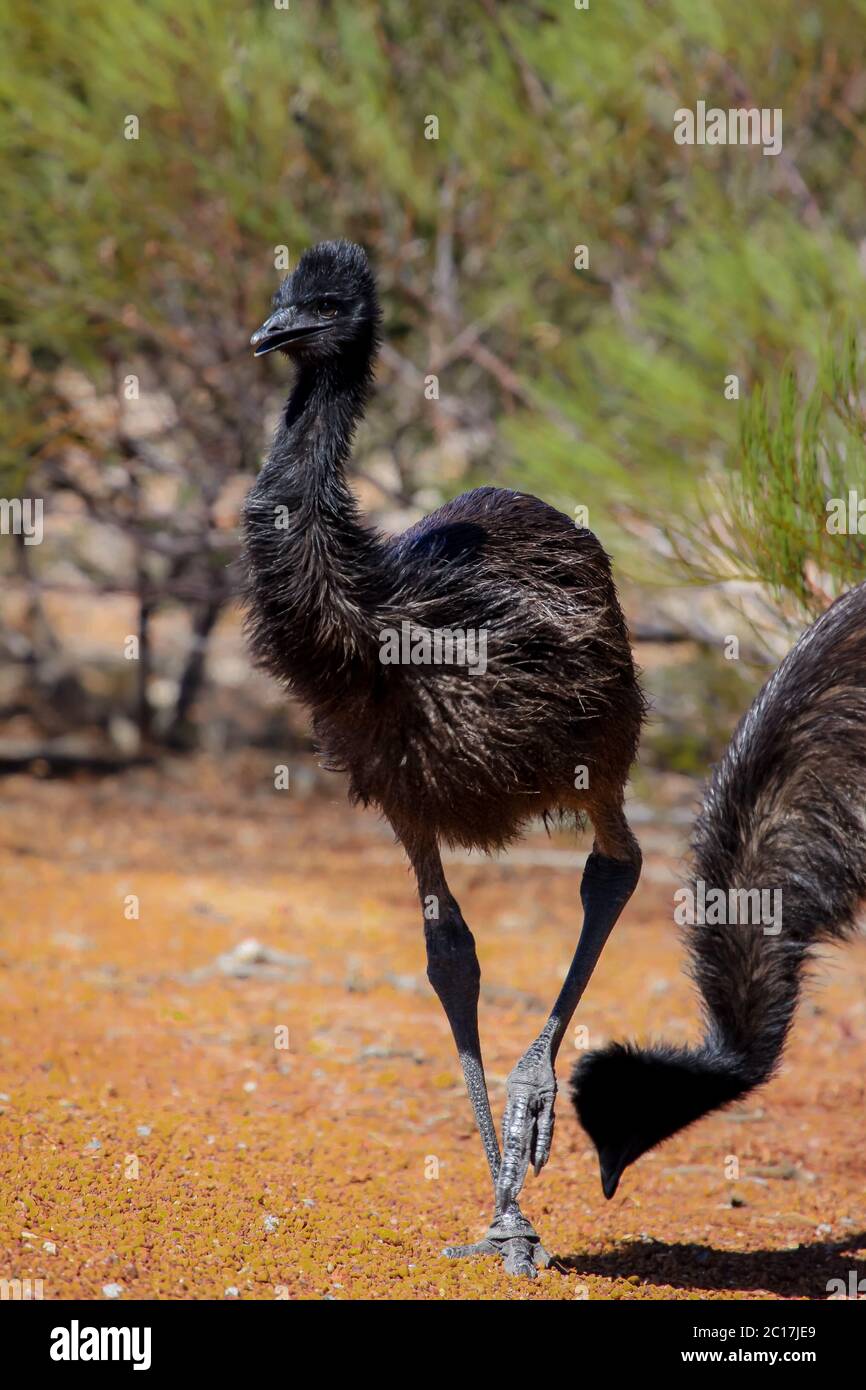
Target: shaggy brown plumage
column 464, row 757
column 451, row 751
column 785, row 811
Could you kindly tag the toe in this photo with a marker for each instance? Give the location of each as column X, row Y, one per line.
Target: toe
column 543, row 1136
column 517, row 1131
column 541, row 1257
column 518, row 1260
column 462, row 1252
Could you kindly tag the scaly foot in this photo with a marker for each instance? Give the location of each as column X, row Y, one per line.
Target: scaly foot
column 513, row 1239
column 527, row 1127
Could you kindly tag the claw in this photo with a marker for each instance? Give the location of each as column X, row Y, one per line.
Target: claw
column 527, row 1127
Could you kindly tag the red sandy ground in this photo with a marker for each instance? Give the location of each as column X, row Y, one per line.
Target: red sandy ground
column 151, row 1126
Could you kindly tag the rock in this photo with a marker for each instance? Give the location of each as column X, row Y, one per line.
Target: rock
column 250, row 959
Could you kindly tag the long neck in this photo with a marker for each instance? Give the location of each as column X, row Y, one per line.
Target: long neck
column 317, row 575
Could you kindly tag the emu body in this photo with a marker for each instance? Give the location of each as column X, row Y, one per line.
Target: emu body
column 784, row 813
column 449, row 754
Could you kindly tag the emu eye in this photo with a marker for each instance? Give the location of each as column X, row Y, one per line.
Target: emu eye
column 327, row 309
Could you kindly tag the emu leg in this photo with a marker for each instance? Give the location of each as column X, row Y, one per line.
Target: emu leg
column 527, row 1127
column 454, row 973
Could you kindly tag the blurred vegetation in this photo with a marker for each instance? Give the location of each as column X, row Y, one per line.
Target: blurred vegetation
column 789, row 517
column 153, row 258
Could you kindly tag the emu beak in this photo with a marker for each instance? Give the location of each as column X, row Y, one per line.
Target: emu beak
column 285, row 326
column 612, row 1164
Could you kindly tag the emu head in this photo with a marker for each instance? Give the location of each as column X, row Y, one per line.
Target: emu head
column 325, row 309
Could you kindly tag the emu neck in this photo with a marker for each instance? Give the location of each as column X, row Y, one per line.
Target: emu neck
column 317, row 573
column 314, row 437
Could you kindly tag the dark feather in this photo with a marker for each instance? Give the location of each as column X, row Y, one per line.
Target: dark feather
column 785, row 810
column 460, row 757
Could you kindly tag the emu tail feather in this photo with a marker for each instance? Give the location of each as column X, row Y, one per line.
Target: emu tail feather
column 784, row 814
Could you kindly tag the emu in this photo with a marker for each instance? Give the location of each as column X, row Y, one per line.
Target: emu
column 450, row 754
column 783, row 813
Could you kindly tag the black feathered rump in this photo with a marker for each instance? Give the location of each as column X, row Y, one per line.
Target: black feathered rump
column 784, row 811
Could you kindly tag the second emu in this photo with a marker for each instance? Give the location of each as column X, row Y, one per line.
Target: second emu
column 783, row 814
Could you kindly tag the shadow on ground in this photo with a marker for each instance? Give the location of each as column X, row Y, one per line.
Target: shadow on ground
column 804, row 1272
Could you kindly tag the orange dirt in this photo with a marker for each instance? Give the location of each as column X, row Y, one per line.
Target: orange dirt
column 154, row 1137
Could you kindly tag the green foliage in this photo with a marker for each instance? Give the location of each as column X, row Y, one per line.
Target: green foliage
column 261, row 127
column 802, row 460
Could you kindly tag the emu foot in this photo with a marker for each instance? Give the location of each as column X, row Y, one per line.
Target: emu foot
column 527, row 1126
column 513, row 1239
